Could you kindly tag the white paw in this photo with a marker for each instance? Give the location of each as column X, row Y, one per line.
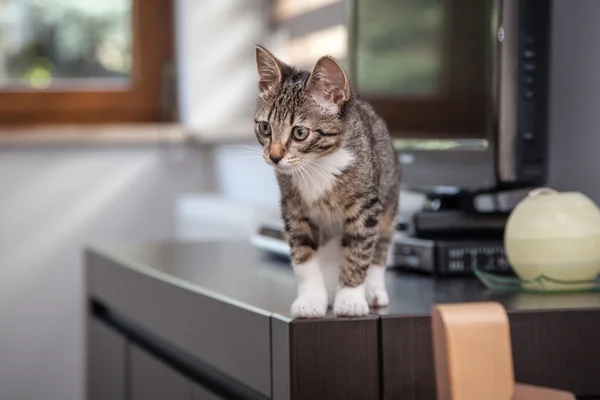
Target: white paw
column 377, row 297
column 309, row 307
column 375, row 285
column 350, row 302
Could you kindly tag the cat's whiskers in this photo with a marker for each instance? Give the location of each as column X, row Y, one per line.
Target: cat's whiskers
column 315, row 169
column 316, row 164
column 246, row 158
column 257, row 160
column 243, row 159
column 303, row 167
column 304, row 174
column 248, row 147
column 296, row 169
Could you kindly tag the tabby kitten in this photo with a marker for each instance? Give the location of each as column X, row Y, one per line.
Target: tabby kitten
column 339, row 180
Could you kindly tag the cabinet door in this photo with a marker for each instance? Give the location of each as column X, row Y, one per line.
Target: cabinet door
column 106, row 362
column 199, row 393
column 152, row 379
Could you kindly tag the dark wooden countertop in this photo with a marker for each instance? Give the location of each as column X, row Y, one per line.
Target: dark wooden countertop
column 225, row 307
column 237, row 273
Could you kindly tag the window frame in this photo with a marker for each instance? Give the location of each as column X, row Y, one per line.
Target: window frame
column 140, row 100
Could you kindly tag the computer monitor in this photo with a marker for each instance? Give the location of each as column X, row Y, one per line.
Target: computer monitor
column 462, row 85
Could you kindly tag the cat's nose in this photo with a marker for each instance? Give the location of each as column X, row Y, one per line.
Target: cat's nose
column 275, row 158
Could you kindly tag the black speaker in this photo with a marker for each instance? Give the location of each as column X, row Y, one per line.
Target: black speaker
column 522, row 70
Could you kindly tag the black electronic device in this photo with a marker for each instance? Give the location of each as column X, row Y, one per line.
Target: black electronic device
column 444, row 258
column 450, row 237
column 435, row 252
column 455, row 214
column 522, row 84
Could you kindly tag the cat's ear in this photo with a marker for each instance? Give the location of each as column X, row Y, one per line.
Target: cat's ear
column 270, row 70
column 328, row 85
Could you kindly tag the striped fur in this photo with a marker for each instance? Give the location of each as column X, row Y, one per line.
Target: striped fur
column 342, row 180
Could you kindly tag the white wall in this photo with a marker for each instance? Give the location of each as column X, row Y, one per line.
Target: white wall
column 216, row 64
column 575, row 97
column 52, row 202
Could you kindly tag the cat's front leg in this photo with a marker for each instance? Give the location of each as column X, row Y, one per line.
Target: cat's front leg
column 358, row 241
column 377, row 295
column 312, row 295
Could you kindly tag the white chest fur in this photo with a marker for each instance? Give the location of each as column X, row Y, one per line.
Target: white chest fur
column 328, row 224
column 317, row 177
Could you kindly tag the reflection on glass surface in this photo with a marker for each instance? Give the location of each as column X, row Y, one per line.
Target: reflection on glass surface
column 440, row 144
column 43, row 42
column 399, row 46
column 292, row 8
column 304, row 51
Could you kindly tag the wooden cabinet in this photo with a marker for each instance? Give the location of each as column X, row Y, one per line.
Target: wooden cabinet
column 199, row 393
column 551, row 349
column 151, row 379
column 120, row 370
column 107, row 362
column 218, row 313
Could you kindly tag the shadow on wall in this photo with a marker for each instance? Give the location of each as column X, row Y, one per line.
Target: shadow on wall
column 52, row 203
column 243, row 176
column 218, row 93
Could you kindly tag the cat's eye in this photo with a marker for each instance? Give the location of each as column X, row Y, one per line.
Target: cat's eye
column 300, row 132
column 264, row 128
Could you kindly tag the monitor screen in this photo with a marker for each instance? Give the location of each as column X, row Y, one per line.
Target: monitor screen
column 423, row 64
column 461, row 84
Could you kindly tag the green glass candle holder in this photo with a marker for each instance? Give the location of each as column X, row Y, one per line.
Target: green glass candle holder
column 536, row 285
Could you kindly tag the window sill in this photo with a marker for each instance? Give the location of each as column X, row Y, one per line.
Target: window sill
column 120, row 134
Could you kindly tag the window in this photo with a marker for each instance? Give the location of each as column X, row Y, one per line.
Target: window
column 421, row 63
column 312, row 28
column 84, row 61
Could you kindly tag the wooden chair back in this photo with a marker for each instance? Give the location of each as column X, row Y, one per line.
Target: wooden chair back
column 473, row 355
